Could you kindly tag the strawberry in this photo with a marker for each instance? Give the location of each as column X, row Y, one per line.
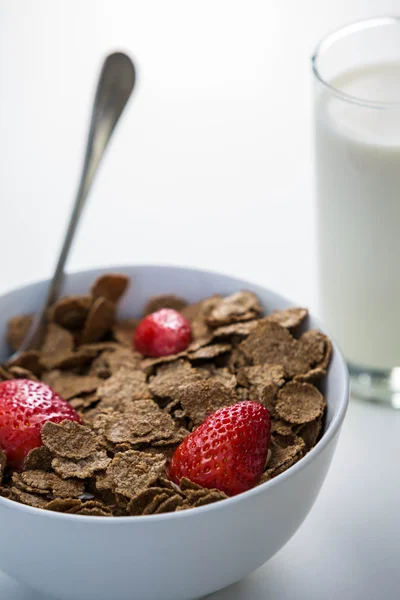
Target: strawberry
column 163, row 332
column 227, row 451
column 25, row 406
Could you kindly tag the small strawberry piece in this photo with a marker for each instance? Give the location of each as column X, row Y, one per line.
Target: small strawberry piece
column 25, row 406
column 227, row 451
column 161, row 333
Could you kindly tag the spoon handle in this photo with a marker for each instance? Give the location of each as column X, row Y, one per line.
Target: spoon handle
column 116, row 82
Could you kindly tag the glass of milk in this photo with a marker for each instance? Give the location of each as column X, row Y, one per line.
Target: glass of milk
column 357, row 130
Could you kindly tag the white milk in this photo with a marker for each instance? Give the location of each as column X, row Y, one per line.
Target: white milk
column 358, row 197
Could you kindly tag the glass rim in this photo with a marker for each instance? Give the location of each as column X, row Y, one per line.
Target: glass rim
column 338, row 34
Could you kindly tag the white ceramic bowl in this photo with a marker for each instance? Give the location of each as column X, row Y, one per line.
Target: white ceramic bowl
column 177, row 556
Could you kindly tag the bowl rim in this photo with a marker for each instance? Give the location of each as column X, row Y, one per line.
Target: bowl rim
column 327, row 437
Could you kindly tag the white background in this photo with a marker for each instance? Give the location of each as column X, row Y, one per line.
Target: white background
column 211, row 167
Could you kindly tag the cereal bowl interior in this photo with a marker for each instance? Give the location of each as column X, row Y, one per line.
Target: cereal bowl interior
column 173, row 556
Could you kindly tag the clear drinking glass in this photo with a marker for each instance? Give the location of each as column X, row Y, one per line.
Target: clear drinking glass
column 357, row 141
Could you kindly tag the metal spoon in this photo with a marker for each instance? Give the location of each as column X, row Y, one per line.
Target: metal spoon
column 116, row 82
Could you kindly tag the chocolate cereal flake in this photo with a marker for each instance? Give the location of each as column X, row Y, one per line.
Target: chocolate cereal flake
column 5, row 375
column 319, row 347
column 5, row 492
column 193, row 492
column 69, row 385
column 157, row 501
column 111, row 286
column 99, row 321
column 237, row 360
column 100, row 510
column 197, row 314
column 34, row 500
column 222, row 375
column 312, row 376
column 272, row 343
column 264, row 382
column 101, row 346
column 82, row 469
column 133, row 471
column 84, row 402
column 240, row 306
column 172, row 376
column 289, row 317
column 310, row 432
column 21, row 373
column 209, row 352
column 122, row 388
column 123, row 357
column 239, row 329
column 286, row 440
column 67, row 488
column 261, row 375
column 169, row 505
column 299, row 403
column 69, row 439
column 111, row 361
column 148, row 364
column 142, row 423
column 38, row 459
column 201, row 398
column 29, row 360
column 195, row 495
column 200, row 310
column 103, row 481
column 284, row 456
column 281, row 427
column 186, row 484
column 70, row 312
column 40, row 482
column 177, row 436
column 210, row 498
column 63, row 505
column 58, row 343
column 17, row 330
column 81, row 357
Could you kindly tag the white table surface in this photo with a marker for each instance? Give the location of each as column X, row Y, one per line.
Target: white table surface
column 212, row 167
